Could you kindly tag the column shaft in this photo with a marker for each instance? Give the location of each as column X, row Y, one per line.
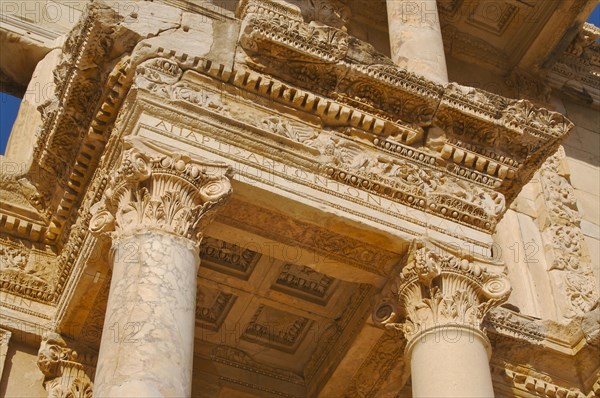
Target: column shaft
column 148, row 336
column 416, row 38
column 450, row 361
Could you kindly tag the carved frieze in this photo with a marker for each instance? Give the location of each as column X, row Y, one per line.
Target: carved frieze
column 153, row 188
column 521, row 327
column 438, row 288
column 566, row 251
column 513, row 132
column 307, row 236
column 67, row 372
column 387, row 167
column 27, row 271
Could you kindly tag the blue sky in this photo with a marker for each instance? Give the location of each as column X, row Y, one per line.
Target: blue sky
column 595, row 17
column 9, row 105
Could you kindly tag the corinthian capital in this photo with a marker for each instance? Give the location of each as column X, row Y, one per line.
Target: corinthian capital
column 440, row 288
column 158, row 188
column 66, row 371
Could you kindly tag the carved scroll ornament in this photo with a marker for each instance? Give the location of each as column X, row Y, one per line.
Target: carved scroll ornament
column 65, row 369
column 437, row 288
column 158, row 189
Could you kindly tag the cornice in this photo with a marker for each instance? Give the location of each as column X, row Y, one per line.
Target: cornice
column 367, row 105
column 387, row 107
column 537, row 334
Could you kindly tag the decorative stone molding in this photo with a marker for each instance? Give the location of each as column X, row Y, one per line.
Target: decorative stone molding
column 228, row 258
column 438, row 288
column 239, row 359
column 212, row 307
column 27, row 270
column 154, row 188
column 67, row 371
column 305, row 283
column 4, row 339
column 577, row 72
column 540, row 386
column 569, row 263
column 517, row 326
column 384, row 356
column 496, row 139
column 285, row 335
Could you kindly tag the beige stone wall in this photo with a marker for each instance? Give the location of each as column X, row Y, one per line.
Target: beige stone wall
column 582, row 148
column 21, row 376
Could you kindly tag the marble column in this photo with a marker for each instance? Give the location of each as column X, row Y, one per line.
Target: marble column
column 155, row 207
column 416, row 38
column 438, row 303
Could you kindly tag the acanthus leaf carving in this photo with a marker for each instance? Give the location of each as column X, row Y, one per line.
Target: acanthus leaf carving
column 67, row 371
column 438, row 288
column 162, row 190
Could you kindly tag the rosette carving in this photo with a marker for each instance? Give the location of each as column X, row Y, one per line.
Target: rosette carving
column 438, row 288
column 154, row 188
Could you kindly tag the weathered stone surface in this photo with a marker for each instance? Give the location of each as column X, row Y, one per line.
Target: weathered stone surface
column 342, row 156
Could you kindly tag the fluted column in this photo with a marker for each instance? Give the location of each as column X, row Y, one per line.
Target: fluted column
column 155, row 207
column 416, row 38
column 438, row 303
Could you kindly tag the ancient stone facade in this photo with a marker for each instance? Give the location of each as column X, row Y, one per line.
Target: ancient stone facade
column 322, row 198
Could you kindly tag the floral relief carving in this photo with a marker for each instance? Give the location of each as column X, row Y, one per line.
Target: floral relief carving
column 66, row 371
column 438, row 288
column 212, row 307
column 162, row 77
column 151, row 189
column 228, row 258
column 561, row 231
column 26, row 271
column 275, row 328
column 387, row 353
column 305, row 283
column 333, row 13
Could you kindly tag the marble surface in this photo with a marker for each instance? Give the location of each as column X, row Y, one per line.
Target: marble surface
column 148, row 337
column 416, row 38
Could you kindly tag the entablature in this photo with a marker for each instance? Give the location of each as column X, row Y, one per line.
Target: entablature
column 329, row 125
column 460, row 153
